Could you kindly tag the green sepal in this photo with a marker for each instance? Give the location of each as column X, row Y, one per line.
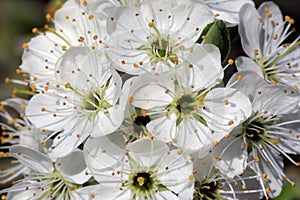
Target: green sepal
column 217, row 33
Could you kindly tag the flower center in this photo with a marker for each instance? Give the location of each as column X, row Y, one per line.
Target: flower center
column 142, row 184
column 55, row 185
column 256, row 129
column 160, row 48
column 206, row 190
column 185, row 104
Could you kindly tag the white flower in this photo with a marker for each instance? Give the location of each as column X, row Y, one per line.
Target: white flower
column 48, row 180
column 272, row 129
column 148, row 171
column 184, row 108
column 211, row 184
column 263, row 33
column 74, row 25
column 155, row 37
column 227, row 10
column 83, row 103
column 16, row 129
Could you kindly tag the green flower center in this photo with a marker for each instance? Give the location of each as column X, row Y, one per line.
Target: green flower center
column 207, row 190
column 143, row 184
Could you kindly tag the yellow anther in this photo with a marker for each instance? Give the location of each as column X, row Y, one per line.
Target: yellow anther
column 43, row 144
column 92, row 196
column 269, row 15
column 130, row 99
column 216, row 143
column 230, row 122
column 240, row 77
column 151, row 24
column 230, row 61
column 25, row 46
column 291, row 21
column 244, row 187
column 35, row 30
column 256, row 52
column 274, row 82
column 48, row 17
column 141, row 181
column 287, row 18
column 63, row 48
column 7, row 80
column 256, row 159
column 275, row 37
column 32, row 87
column 266, row 9
column 293, row 183
column 268, row 190
column 91, row 17
column 68, row 86
column 275, row 142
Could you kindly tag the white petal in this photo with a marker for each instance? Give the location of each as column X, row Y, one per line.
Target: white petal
column 233, row 156
column 225, row 108
column 83, row 68
column 276, row 99
column 250, row 30
column 104, row 155
column 107, row 121
column 175, row 171
column 206, row 68
column 32, row 159
column 163, row 128
column 193, row 135
column 228, row 10
column 147, row 152
column 250, row 84
column 166, row 195
column 103, row 191
column 189, row 19
column 149, row 91
column 46, row 119
column 245, row 63
column 37, row 59
column 73, row 168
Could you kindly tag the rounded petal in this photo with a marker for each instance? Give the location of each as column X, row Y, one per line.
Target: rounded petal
column 245, row 63
column 73, row 168
column 101, row 191
column 163, row 128
column 225, row 108
column 147, row 152
column 249, row 85
column 104, row 155
column 32, row 159
column 202, row 68
column 250, row 30
column 232, row 156
column 276, row 99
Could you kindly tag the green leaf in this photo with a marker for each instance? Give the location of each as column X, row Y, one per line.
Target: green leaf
column 217, row 33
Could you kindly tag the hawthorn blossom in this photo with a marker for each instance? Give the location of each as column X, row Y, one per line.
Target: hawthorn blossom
column 263, row 33
column 155, row 37
column 82, row 103
column 184, row 108
column 16, row 129
column 149, row 170
column 47, row 180
column 271, row 131
column 211, row 184
column 75, row 24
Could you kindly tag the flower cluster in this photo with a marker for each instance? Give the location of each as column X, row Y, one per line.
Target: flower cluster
column 130, row 100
